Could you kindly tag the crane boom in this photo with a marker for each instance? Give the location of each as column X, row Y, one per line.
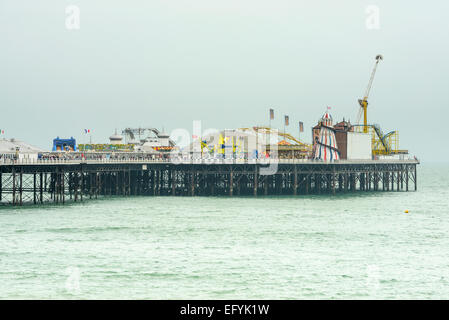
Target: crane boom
column 364, row 102
column 370, row 83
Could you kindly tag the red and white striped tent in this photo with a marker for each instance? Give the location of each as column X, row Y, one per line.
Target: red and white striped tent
column 326, row 144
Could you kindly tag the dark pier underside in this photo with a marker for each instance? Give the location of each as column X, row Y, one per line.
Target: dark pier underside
column 65, row 182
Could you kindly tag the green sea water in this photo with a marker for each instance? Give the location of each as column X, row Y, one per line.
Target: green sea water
column 355, row 246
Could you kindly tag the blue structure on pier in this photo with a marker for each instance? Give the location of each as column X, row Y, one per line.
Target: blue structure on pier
column 64, row 144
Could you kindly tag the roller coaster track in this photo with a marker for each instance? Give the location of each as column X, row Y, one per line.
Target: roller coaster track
column 383, row 137
column 268, row 130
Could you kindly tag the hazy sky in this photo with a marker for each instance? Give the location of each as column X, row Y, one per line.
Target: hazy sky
column 159, row 63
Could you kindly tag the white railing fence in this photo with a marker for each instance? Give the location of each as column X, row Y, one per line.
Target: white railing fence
column 194, row 161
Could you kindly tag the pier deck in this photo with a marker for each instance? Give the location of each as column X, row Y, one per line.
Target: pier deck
column 59, row 181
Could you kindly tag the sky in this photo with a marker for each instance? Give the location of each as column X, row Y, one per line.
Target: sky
column 166, row 63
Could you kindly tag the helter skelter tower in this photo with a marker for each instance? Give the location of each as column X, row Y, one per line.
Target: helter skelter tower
column 325, row 144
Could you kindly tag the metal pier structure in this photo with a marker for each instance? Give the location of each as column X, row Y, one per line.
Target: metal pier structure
column 73, row 181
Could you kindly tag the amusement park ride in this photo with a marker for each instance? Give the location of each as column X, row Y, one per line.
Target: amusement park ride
column 131, row 133
column 286, row 144
column 237, row 143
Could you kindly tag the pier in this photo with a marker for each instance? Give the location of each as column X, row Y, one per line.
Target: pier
column 62, row 181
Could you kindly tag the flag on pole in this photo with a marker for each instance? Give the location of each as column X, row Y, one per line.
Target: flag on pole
column 301, row 126
column 86, row 131
column 2, row 131
column 286, row 120
column 271, row 114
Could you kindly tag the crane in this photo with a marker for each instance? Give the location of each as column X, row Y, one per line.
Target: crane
column 364, row 102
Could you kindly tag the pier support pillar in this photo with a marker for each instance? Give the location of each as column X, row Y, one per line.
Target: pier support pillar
column 255, row 180
column 308, row 184
column 265, row 185
column 41, row 189
column 81, row 184
column 392, row 180
column 368, row 180
column 116, row 191
column 159, row 182
column 173, row 182
column 75, row 185
column 295, row 180
column 13, row 186
column 34, row 188
column 402, row 177
column 91, row 185
column 397, row 180
column 21, row 187
column 212, row 184
column 416, row 179
column 333, row 182
column 231, row 183
column 192, row 183
column 375, row 180
column 406, row 177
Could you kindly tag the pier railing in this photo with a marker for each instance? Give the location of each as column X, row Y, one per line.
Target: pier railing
column 196, row 161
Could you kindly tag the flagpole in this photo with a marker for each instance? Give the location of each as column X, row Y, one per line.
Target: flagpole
column 271, row 114
column 285, row 122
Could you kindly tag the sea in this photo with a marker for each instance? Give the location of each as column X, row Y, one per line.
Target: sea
column 364, row 245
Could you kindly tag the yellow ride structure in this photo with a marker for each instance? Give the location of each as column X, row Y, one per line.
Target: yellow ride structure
column 220, row 146
column 287, row 147
column 387, row 144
